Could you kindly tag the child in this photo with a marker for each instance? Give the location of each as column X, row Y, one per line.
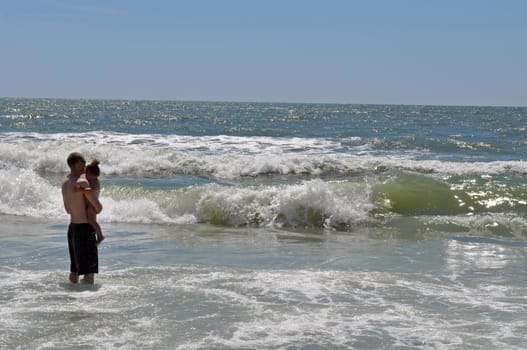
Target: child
column 93, row 187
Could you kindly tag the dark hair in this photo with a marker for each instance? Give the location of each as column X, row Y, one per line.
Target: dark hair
column 73, row 158
column 93, row 168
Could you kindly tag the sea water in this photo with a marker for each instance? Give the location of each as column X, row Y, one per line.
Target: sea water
column 268, row 226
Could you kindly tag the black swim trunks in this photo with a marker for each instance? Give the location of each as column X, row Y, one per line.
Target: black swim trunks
column 82, row 246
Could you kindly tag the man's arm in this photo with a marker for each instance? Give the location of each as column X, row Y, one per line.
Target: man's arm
column 64, row 198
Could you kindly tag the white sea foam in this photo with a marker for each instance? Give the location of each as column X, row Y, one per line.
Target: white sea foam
column 32, row 165
column 23, row 192
column 308, row 203
column 165, row 305
column 311, row 203
column 226, row 157
column 314, row 202
column 341, row 309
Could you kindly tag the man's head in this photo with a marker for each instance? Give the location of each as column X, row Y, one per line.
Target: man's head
column 76, row 163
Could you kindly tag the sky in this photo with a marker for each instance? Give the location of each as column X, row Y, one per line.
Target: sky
column 424, row 52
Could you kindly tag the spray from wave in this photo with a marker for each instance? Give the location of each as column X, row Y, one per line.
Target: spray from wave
column 225, row 157
column 297, row 182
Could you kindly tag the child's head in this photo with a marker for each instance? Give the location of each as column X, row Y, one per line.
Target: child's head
column 92, row 170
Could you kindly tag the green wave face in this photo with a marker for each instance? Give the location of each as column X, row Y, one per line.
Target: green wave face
column 409, row 194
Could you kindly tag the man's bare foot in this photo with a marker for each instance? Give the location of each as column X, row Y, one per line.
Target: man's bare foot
column 74, row 277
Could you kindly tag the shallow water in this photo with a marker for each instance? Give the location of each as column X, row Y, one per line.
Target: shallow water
column 204, row 287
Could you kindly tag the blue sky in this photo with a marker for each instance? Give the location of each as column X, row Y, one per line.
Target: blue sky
column 462, row 52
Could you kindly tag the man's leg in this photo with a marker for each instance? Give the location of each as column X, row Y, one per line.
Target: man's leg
column 89, row 278
column 86, row 252
column 74, row 277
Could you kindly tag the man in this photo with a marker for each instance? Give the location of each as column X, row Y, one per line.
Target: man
column 81, row 236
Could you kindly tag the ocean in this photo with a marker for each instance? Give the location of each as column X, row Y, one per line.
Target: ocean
column 268, row 226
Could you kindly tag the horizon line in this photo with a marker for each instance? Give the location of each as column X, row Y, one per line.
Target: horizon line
column 258, row 102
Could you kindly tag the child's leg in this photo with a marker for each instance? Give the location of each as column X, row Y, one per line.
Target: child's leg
column 92, row 220
column 98, row 231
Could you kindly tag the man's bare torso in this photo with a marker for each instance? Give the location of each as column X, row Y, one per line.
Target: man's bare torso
column 74, row 201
